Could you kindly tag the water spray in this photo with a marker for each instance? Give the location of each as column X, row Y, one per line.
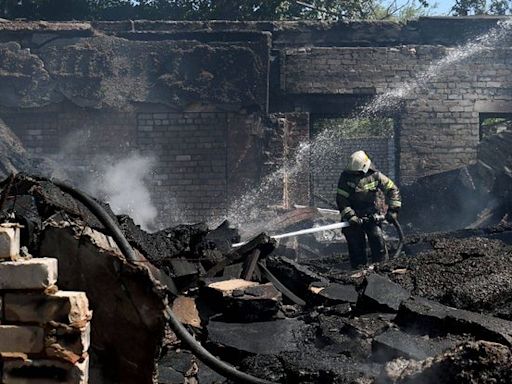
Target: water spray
column 322, row 228
column 324, row 148
column 374, row 218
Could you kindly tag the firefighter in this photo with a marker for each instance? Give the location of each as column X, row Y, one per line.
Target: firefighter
column 357, row 199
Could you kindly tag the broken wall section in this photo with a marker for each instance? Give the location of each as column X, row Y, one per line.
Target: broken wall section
column 125, row 298
column 128, row 296
column 190, row 103
column 44, row 332
column 286, row 161
column 144, row 86
column 104, row 71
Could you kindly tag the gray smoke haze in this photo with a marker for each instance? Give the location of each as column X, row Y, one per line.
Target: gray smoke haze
column 124, row 185
column 71, row 162
column 120, row 179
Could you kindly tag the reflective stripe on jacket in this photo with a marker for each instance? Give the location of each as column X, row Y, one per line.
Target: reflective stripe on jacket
column 357, row 193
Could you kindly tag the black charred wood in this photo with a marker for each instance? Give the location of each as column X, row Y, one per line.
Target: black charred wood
column 263, row 243
column 250, row 264
column 293, row 275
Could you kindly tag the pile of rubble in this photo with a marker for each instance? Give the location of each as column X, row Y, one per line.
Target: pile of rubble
column 441, row 314
column 476, row 195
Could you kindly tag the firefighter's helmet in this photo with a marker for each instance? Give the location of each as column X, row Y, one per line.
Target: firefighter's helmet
column 359, row 162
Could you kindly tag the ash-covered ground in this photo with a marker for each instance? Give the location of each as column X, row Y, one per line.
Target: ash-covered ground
column 440, row 312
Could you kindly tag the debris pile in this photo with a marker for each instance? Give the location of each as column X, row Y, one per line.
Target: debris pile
column 476, row 195
column 471, row 362
column 466, row 269
column 127, row 300
column 445, row 306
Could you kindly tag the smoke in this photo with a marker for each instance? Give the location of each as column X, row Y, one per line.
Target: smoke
column 64, row 165
column 121, row 179
column 124, row 185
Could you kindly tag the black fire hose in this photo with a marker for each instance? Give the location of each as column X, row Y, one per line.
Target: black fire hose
column 102, row 216
column 206, row 357
column 398, row 228
column 280, row 286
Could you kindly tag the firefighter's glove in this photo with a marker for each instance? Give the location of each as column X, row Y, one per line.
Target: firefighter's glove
column 355, row 221
column 392, row 216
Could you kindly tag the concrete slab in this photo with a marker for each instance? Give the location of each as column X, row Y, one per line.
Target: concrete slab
column 241, row 300
column 336, row 293
column 382, row 294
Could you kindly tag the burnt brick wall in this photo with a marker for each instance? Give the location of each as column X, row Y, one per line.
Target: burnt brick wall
column 324, row 177
column 204, row 161
column 191, row 173
column 39, row 132
column 76, row 136
column 438, row 126
column 439, row 123
column 284, row 160
column 244, row 153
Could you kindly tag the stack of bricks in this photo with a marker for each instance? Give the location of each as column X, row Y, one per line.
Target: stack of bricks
column 44, row 333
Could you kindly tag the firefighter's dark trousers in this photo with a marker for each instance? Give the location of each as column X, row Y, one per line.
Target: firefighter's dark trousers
column 356, row 242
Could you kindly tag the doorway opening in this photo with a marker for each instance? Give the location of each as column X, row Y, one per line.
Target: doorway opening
column 494, row 123
column 376, row 136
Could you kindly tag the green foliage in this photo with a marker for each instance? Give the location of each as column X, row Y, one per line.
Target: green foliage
column 482, row 7
column 407, row 11
column 500, row 7
column 493, row 125
column 66, row 9
column 238, row 10
column 205, row 9
column 355, row 128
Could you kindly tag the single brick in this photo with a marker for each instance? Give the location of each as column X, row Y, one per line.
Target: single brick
column 19, row 371
column 9, row 241
column 22, row 339
column 67, row 343
column 66, row 307
column 39, row 273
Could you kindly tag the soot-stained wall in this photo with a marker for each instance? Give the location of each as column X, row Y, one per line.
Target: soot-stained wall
column 202, row 97
column 438, row 113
